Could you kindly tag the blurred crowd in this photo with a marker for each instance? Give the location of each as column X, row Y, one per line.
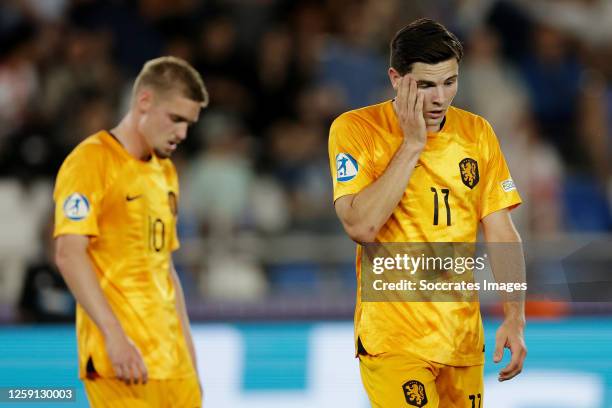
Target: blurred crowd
column 255, row 168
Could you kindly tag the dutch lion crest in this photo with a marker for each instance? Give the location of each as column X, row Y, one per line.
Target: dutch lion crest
column 469, row 172
column 414, row 391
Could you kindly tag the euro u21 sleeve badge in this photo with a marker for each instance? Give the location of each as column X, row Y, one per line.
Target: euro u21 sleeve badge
column 415, row 394
column 469, row 172
column 346, row 167
column 76, row 207
column 172, row 203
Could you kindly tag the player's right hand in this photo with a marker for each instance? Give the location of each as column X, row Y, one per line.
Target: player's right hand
column 126, row 359
column 409, row 106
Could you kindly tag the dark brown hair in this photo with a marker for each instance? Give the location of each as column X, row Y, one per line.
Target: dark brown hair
column 424, row 41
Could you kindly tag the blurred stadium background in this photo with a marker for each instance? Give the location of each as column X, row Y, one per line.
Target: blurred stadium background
column 267, row 270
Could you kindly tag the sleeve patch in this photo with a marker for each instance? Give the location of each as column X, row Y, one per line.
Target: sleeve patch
column 508, row 185
column 346, row 167
column 76, row 207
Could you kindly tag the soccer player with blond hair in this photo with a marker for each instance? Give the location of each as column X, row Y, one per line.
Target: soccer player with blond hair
column 116, row 198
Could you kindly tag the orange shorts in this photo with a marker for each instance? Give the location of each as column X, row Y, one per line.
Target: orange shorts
column 395, row 380
column 113, row 393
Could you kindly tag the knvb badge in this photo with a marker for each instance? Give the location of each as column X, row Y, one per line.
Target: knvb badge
column 414, row 391
column 346, row 167
column 469, row 172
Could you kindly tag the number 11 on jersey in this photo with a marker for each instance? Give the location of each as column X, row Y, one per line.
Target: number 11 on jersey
column 446, row 193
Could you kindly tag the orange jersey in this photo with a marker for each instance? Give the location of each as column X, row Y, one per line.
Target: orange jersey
column 128, row 209
column 461, row 177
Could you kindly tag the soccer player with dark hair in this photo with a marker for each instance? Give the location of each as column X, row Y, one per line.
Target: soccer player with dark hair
column 115, row 226
column 416, row 169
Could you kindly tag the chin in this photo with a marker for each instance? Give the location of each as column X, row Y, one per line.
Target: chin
column 162, row 154
column 434, row 122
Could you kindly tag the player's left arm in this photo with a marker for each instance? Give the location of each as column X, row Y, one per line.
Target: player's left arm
column 508, row 264
column 182, row 312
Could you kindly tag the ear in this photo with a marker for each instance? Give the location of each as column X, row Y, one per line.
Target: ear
column 144, row 100
column 394, row 77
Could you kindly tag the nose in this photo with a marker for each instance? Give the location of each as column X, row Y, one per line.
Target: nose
column 437, row 97
column 181, row 132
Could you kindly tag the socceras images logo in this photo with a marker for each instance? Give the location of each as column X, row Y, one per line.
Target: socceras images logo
column 346, row 167
column 76, row 207
column 414, row 391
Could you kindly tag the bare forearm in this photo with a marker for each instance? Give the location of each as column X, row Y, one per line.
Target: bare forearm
column 372, row 207
column 364, row 214
column 508, row 266
column 81, row 279
column 515, row 310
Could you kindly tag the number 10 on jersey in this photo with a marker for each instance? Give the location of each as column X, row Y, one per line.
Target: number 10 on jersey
column 157, row 234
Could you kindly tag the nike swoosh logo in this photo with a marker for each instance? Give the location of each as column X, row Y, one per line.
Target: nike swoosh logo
column 132, row 198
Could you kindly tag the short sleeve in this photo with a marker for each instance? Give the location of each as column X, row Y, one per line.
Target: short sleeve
column 78, row 192
column 350, row 157
column 499, row 189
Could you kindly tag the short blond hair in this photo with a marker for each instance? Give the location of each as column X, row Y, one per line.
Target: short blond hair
column 166, row 74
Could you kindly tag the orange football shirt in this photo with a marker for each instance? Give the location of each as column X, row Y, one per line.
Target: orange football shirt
column 128, row 209
column 461, row 177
